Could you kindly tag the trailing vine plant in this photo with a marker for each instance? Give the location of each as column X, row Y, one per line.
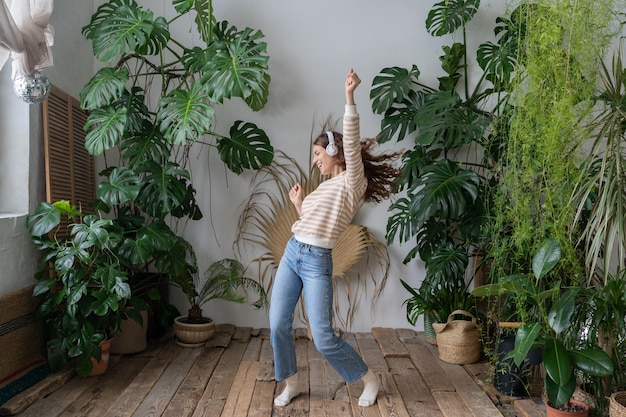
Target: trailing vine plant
column 552, row 90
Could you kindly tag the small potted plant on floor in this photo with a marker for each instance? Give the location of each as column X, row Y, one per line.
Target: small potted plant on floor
column 224, row 280
column 546, row 329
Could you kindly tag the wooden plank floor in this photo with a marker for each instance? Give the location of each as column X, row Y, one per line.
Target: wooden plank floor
column 233, row 376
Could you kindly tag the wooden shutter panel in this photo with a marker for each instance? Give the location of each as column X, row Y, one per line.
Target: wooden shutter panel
column 69, row 167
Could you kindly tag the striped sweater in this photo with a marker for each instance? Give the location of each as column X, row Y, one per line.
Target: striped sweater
column 327, row 211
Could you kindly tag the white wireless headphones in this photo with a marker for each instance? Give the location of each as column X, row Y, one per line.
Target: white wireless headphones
column 331, row 148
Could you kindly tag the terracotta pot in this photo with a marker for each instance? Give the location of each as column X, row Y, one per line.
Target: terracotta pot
column 553, row 412
column 101, row 366
column 132, row 338
column 193, row 334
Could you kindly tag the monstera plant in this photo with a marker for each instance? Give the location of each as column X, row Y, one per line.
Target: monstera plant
column 457, row 130
column 151, row 101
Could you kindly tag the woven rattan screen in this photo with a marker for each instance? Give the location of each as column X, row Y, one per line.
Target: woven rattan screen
column 69, row 167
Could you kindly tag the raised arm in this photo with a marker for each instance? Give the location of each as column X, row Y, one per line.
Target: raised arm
column 351, row 133
column 352, row 82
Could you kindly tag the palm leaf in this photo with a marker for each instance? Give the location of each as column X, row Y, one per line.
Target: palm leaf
column 266, row 223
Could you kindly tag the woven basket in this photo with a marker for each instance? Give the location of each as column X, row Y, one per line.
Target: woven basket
column 617, row 404
column 458, row 341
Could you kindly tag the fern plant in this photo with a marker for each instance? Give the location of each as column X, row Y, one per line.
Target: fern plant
column 223, row 280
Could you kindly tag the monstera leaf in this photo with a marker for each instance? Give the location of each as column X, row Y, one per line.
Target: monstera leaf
column 447, row 191
column 120, row 26
column 164, row 188
column 237, row 66
column 449, row 15
column 185, row 115
column 391, row 86
column 247, row 148
column 104, row 88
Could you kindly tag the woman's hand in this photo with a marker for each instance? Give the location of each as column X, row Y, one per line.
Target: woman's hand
column 352, row 82
column 295, row 195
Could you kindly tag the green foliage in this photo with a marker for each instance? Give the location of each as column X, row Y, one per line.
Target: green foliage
column 600, row 197
column 232, row 64
column 223, row 279
column 457, row 134
column 83, row 287
column 151, row 102
column 548, row 324
column 542, row 164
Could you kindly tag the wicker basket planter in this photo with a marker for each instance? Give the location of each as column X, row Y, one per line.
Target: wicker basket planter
column 458, row 341
column 617, row 404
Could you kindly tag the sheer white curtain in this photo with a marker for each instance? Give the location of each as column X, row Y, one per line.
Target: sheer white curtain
column 25, row 35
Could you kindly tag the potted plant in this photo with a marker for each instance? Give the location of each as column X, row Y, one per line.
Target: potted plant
column 600, row 316
column 224, row 280
column 438, row 296
column 547, row 328
column 458, row 133
column 152, row 100
column 82, row 285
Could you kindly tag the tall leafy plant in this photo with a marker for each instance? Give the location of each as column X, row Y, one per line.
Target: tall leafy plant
column 152, row 100
column 457, row 130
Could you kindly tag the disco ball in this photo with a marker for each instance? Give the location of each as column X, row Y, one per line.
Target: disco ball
column 32, row 88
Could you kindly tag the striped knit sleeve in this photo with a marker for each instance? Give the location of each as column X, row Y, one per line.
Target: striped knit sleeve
column 352, row 146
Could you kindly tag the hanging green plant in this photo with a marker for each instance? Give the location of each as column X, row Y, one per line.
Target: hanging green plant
column 553, row 96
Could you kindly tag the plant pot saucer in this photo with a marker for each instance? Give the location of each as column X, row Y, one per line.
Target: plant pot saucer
column 188, row 345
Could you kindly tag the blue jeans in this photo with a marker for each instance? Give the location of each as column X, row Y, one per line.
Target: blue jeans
column 308, row 269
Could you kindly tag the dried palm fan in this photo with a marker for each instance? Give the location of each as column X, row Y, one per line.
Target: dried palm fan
column 266, row 222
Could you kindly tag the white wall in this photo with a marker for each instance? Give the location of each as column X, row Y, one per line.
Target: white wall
column 311, row 47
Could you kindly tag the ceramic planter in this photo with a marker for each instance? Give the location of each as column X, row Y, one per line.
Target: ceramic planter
column 193, row 334
column 132, row 338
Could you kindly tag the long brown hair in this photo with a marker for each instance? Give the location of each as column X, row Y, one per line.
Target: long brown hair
column 380, row 171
